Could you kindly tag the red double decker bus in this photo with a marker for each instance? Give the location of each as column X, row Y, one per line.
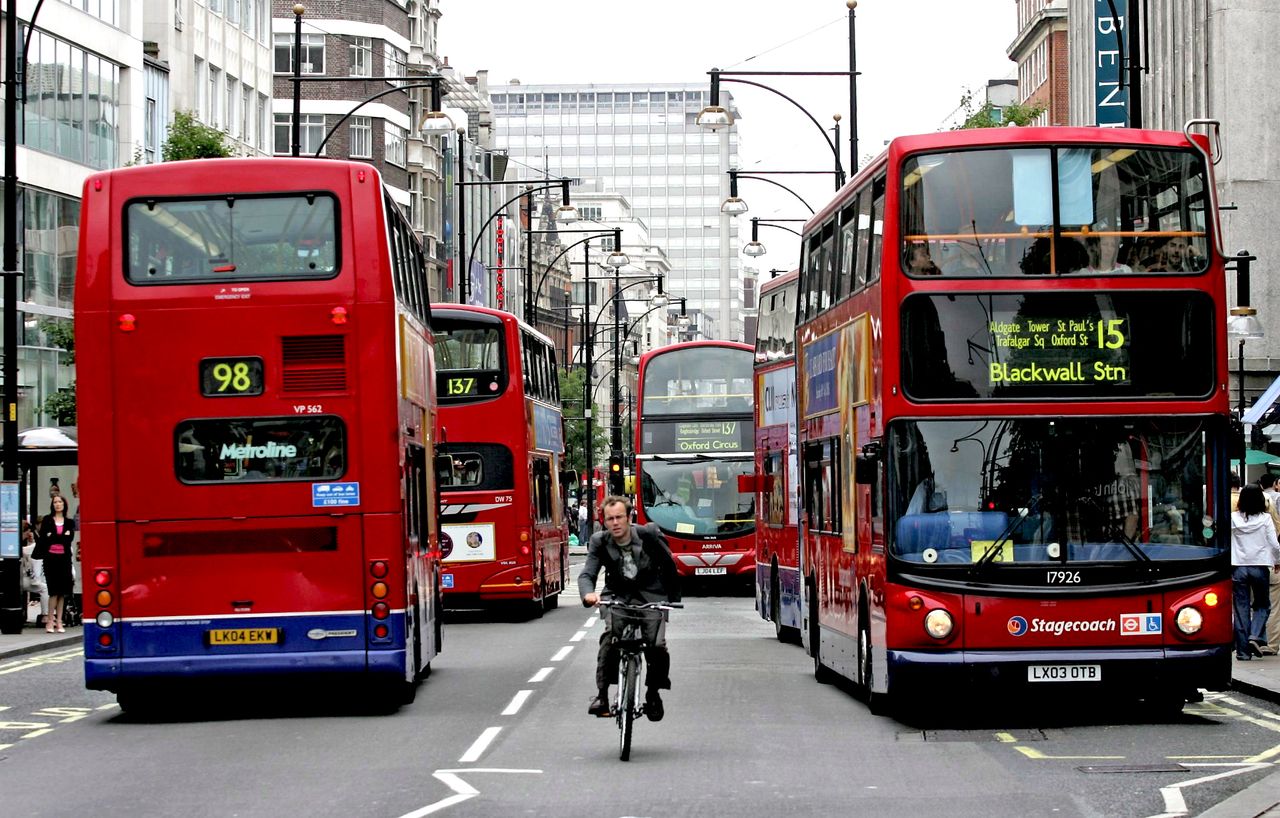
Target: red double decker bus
column 693, row 441
column 1013, row 421
column 257, row 418
column 777, row 471
column 504, row 534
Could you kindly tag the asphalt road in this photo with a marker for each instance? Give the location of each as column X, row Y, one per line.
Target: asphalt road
column 500, row 728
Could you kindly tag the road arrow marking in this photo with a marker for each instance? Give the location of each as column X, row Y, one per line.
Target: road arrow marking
column 1175, row 806
column 462, row 791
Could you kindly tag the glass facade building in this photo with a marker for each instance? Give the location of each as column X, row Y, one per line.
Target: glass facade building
column 640, row 141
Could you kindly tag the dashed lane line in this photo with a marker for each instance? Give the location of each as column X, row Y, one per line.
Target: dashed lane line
column 562, row 653
column 517, row 702
column 481, row 744
column 541, row 675
column 578, row 637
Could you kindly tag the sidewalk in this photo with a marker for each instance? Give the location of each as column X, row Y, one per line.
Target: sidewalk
column 33, row 639
column 1261, row 678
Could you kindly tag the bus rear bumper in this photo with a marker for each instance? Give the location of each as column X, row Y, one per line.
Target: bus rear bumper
column 112, row 673
column 1136, row 670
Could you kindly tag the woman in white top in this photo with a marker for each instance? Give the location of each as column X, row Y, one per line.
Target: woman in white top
column 1255, row 553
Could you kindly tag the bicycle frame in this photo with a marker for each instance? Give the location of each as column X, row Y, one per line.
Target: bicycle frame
column 628, row 707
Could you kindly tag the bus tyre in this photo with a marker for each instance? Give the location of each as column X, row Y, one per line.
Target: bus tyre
column 821, row 672
column 877, row 703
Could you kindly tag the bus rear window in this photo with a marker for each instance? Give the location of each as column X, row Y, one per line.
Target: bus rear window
column 221, row 450
column 231, row 238
column 470, row 364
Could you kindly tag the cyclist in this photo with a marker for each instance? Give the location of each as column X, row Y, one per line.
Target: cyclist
column 639, row 568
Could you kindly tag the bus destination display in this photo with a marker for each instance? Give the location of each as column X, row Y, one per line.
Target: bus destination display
column 698, row 436
column 224, row 377
column 1081, row 345
column 1067, row 349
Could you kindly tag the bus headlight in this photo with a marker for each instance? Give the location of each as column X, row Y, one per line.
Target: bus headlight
column 938, row 623
column 1189, row 620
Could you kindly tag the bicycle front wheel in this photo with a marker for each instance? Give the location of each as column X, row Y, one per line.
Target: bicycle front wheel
column 628, row 703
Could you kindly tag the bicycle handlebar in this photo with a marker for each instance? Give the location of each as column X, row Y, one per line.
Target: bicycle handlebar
column 657, row 606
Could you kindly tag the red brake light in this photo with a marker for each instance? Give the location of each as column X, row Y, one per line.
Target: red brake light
column 380, row 610
column 338, row 315
column 524, row 550
column 128, row 322
column 378, row 568
column 380, row 631
column 104, row 639
column 102, row 577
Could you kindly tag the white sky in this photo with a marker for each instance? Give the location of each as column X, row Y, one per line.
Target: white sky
column 916, row 58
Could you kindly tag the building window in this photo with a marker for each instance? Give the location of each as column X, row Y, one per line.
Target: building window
column 246, row 113
column 215, row 96
column 312, row 53
column 590, row 213
column 361, row 55
column 393, row 142
column 361, row 137
column 393, row 60
column 233, row 97
column 310, row 134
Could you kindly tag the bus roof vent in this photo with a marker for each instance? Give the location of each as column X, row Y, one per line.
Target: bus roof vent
column 314, row 363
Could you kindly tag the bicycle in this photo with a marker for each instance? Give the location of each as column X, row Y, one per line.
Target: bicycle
column 629, row 635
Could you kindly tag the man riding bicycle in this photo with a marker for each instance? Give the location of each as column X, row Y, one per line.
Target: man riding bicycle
column 639, row 568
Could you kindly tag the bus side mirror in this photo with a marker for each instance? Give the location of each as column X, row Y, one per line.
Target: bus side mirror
column 864, row 464
column 748, row 484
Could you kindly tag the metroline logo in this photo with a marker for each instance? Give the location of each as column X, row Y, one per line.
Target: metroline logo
column 1019, row 626
column 233, row 452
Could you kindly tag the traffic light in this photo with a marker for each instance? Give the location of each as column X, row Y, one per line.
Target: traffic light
column 616, row 481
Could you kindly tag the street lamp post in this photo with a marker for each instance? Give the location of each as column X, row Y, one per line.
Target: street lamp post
column 298, row 11
column 754, row 247
column 531, row 294
column 735, row 206
column 1243, row 325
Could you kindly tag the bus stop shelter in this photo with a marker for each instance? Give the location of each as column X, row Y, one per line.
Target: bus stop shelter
column 42, row 447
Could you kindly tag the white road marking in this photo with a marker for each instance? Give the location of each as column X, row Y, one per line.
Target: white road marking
column 590, row 623
column 577, row 637
column 39, row 732
column 541, row 675
column 1175, row 806
column 481, row 744
column 461, row 789
column 517, row 702
column 563, row 652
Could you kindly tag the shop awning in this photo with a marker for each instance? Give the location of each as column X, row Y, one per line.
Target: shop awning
column 1264, row 404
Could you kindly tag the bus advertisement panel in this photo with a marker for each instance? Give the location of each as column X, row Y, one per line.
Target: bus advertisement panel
column 502, row 502
column 1014, row 448
column 245, row 347
column 694, row 439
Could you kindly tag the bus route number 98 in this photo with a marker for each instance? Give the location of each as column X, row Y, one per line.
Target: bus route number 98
column 225, row 377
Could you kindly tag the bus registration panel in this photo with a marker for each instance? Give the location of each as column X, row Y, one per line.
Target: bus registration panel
column 1064, row 673
column 244, row 636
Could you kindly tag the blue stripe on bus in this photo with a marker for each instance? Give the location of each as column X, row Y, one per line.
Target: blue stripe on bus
column 308, row 644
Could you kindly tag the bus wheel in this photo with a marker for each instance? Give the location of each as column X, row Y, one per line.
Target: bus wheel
column 783, row 633
column 821, row 672
column 877, row 703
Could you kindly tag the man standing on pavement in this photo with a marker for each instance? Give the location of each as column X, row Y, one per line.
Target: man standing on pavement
column 1269, row 490
column 639, row 568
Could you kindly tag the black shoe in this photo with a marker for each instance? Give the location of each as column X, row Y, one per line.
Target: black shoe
column 599, row 705
column 653, row 705
column 1243, row 657
column 1255, row 647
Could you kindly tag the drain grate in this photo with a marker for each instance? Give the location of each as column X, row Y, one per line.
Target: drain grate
column 1134, row 768
column 987, row 736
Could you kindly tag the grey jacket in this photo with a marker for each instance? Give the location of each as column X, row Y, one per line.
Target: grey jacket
column 656, row 579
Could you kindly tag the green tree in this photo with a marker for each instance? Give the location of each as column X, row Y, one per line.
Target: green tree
column 985, row 115
column 61, row 405
column 571, row 383
column 191, row 139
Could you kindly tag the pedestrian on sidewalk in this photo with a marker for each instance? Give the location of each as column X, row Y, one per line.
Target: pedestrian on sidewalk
column 53, row 545
column 33, row 572
column 1255, row 555
column 1269, row 490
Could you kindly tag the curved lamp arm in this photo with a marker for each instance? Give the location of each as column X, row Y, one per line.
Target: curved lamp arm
column 656, row 277
column 471, row 256
column 745, row 175
column 617, row 234
column 834, row 150
column 350, row 113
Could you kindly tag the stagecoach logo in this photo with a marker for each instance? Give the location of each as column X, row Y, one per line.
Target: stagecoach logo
column 273, row 449
column 1017, row 626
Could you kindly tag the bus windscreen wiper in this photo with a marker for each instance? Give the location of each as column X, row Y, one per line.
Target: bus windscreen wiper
column 1116, row 532
column 989, row 555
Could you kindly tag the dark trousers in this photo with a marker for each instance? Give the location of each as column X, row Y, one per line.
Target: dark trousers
column 655, row 654
column 1251, row 595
